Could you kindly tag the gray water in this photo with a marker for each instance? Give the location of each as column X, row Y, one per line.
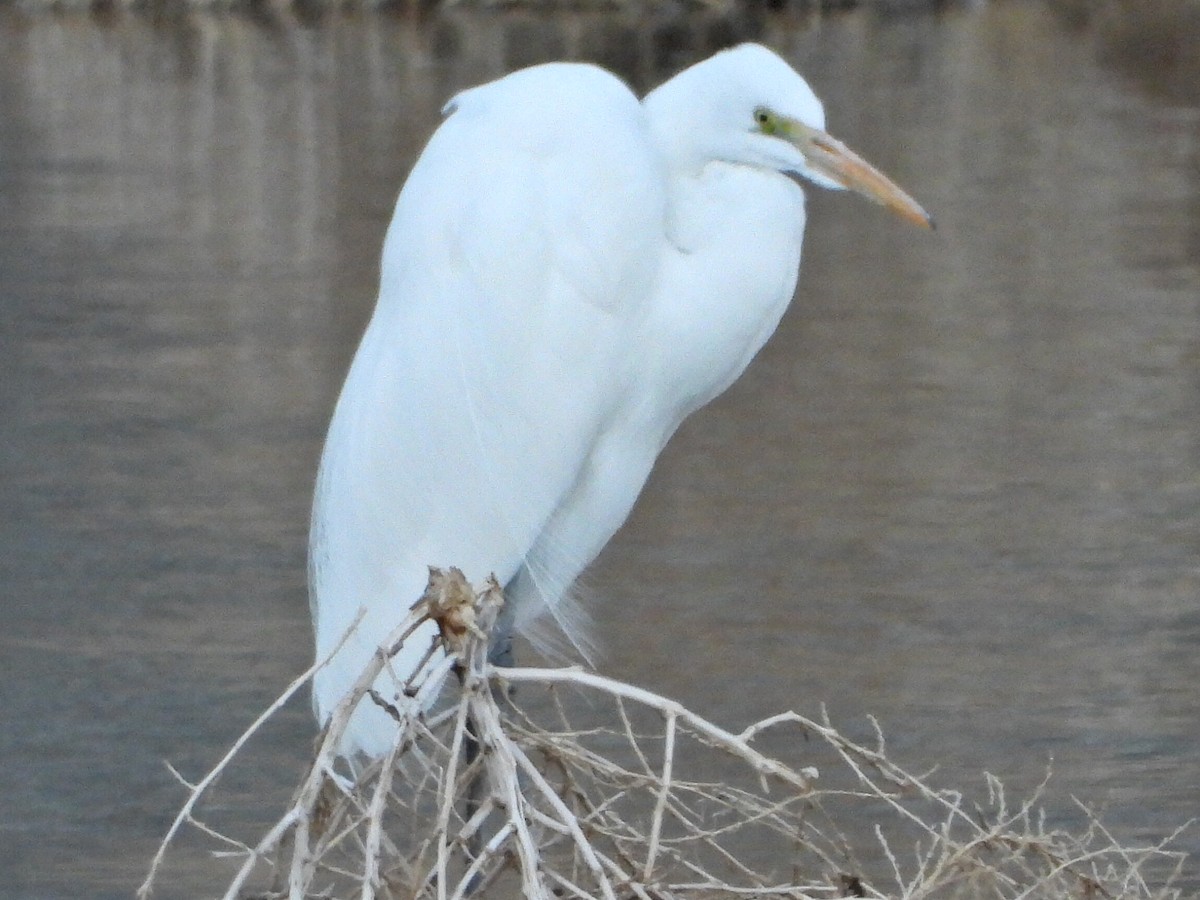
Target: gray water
column 958, row 490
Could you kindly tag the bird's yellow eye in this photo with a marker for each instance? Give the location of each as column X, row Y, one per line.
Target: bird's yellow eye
column 766, row 121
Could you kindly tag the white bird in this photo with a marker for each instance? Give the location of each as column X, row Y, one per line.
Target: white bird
column 568, row 274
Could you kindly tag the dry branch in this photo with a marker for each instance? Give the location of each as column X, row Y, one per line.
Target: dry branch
column 582, row 786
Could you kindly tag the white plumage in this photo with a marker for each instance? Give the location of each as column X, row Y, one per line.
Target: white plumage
column 568, row 274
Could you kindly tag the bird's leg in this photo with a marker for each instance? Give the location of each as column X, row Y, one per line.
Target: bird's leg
column 500, row 653
column 474, row 789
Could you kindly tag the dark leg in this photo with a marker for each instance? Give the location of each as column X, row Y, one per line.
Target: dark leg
column 500, row 653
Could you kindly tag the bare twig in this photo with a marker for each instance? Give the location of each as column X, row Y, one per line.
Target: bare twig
column 572, row 805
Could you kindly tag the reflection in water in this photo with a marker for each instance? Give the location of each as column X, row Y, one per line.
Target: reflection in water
column 958, row 490
column 1154, row 43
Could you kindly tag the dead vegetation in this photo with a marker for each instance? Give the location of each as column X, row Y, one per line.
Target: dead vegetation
column 562, row 783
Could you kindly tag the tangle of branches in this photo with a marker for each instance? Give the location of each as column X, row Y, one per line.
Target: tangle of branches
column 561, row 783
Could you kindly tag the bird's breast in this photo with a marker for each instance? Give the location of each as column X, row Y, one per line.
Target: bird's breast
column 726, row 284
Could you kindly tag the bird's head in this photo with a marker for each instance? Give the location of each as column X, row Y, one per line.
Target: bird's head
column 747, row 106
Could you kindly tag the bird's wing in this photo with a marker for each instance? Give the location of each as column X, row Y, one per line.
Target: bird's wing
column 522, row 252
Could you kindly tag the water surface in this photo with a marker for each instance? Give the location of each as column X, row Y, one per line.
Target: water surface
column 958, row 490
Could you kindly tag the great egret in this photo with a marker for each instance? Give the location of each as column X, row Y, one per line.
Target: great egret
column 569, row 273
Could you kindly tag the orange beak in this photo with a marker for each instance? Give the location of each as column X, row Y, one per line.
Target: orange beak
column 833, row 159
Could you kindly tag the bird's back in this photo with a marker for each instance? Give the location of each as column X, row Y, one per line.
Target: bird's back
column 518, row 262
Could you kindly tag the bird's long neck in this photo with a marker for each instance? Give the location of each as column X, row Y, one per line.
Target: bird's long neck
column 692, row 143
column 737, row 234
